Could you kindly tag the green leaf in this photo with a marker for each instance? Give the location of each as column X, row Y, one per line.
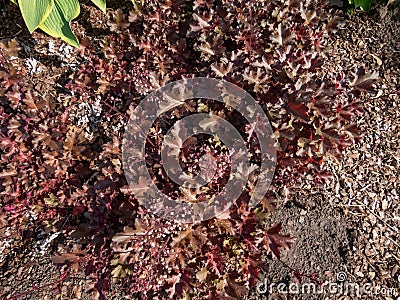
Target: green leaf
column 51, row 201
column 364, row 4
column 100, row 4
column 35, row 12
column 14, row 1
column 57, row 23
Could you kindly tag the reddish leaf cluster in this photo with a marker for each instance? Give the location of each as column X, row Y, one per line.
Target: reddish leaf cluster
column 61, row 160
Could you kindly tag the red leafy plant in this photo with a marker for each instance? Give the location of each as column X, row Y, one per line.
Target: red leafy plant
column 61, row 156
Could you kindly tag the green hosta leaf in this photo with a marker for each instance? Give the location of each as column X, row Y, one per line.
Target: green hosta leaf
column 35, row 12
column 100, row 4
column 14, row 1
column 57, row 23
column 364, row 4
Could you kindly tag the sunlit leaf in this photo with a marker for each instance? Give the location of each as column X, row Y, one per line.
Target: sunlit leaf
column 57, row 23
column 35, row 12
column 100, row 4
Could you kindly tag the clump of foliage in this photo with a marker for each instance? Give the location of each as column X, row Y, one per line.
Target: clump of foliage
column 70, row 177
